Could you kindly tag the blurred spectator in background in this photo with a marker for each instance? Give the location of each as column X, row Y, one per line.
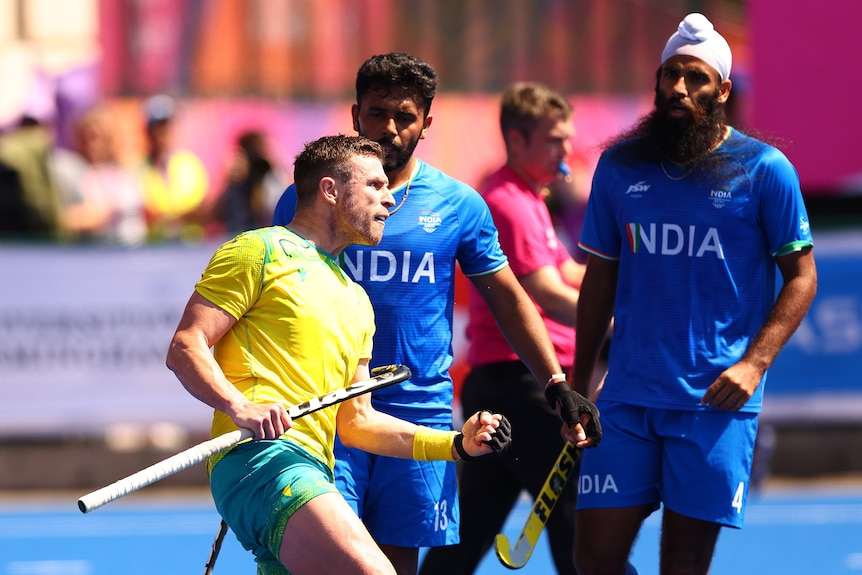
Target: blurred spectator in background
column 254, row 184
column 102, row 200
column 537, row 128
column 29, row 201
column 174, row 182
column 13, row 208
column 567, row 201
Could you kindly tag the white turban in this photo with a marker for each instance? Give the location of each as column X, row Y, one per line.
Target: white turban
column 696, row 36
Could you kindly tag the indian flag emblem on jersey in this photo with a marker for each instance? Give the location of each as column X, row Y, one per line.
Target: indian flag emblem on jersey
column 633, row 232
column 429, row 220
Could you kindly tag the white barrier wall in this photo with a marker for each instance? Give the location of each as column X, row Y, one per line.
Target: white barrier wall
column 817, row 378
column 84, row 334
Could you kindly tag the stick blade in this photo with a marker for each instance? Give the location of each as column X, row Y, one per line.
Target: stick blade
column 512, row 558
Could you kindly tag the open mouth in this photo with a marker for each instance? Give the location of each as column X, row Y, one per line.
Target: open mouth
column 677, row 108
column 389, row 148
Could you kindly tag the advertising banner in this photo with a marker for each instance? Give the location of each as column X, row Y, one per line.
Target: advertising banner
column 818, row 375
column 84, row 335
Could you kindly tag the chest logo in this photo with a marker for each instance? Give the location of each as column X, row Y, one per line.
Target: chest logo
column 720, row 197
column 638, row 189
column 429, row 220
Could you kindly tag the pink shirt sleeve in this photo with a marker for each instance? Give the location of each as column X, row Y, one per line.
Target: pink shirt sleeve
column 527, row 234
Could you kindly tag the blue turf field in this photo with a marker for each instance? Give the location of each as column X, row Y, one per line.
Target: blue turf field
column 788, row 531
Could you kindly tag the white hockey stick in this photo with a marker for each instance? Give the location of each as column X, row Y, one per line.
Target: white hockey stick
column 382, row 377
column 540, row 512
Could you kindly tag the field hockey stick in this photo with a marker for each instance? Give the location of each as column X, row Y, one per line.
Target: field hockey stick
column 540, row 512
column 383, row 376
column 214, row 550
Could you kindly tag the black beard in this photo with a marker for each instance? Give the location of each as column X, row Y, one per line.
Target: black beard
column 401, row 158
column 688, row 138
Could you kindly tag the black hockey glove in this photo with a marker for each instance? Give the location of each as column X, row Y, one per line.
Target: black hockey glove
column 572, row 406
column 499, row 442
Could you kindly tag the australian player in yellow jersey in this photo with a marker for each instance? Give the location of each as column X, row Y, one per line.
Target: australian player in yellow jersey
column 287, row 324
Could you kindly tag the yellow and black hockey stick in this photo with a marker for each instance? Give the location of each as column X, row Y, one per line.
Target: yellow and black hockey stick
column 517, row 557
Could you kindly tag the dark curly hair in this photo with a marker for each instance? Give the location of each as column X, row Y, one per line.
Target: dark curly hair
column 398, row 72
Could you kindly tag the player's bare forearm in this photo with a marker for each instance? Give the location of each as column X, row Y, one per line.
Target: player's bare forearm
column 595, row 310
column 520, row 322
column 557, row 298
column 363, row 427
column 794, row 299
column 738, row 383
column 204, row 380
column 189, row 357
column 573, row 272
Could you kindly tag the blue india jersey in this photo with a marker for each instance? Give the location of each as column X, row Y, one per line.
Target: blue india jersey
column 410, row 279
column 285, row 208
column 696, row 263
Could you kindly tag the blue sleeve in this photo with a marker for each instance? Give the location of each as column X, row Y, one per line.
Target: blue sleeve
column 285, row 209
column 785, row 219
column 479, row 250
column 600, row 233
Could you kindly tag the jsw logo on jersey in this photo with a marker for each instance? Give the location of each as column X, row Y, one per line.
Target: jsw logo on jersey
column 639, row 187
column 673, row 239
column 383, row 266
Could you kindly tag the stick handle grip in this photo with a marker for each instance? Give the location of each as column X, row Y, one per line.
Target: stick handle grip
column 183, row 460
column 382, row 376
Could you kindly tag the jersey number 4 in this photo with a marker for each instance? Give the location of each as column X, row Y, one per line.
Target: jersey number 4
column 738, row 497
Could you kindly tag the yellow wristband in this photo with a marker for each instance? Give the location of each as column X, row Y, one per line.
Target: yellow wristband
column 432, row 444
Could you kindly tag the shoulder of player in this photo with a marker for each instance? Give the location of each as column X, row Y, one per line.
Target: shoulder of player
column 247, row 251
column 442, row 183
column 631, row 152
column 510, row 200
column 756, row 153
column 267, row 242
column 250, row 238
column 444, row 192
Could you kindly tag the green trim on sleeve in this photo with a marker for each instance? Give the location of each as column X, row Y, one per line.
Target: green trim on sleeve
column 793, row 247
column 489, row 272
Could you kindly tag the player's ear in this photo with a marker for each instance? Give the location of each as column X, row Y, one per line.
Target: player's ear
column 425, row 126
column 514, row 139
column 328, row 189
column 354, row 111
column 724, row 90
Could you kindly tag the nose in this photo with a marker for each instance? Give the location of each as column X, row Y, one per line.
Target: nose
column 679, row 87
column 388, row 199
column 390, row 127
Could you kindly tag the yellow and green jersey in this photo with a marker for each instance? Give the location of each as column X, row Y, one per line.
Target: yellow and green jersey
column 302, row 327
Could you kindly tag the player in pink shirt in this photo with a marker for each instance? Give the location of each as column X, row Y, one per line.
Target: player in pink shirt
column 537, row 128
